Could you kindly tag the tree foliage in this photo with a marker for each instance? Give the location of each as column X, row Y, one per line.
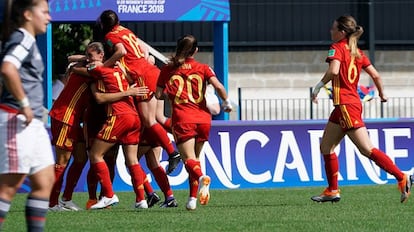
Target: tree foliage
column 68, row 39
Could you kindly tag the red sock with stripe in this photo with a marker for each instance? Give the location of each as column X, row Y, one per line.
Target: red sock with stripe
column 137, row 181
column 384, row 162
column 162, row 180
column 102, row 174
column 194, row 171
column 331, row 169
column 147, row 185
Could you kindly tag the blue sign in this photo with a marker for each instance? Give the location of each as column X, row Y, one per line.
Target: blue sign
column 276, row 154
column 141, row 10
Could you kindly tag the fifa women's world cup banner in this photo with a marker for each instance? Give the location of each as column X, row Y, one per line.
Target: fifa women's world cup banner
column 141, row 10
column 273, row 154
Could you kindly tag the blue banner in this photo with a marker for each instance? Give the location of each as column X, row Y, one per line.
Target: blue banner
column 276, row 154
column 141, row 10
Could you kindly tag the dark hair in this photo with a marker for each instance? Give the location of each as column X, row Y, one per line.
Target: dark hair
column 108, row 20
column 16, row 9
column 353, row 32
column 186, row 47
column 97, row 34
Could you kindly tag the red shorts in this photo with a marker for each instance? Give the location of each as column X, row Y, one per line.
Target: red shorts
column 123, row 129
column 146, row 76
column 64, row 136
column 185, row 131
column 347, row 116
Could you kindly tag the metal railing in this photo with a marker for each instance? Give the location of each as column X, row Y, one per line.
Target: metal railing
column 305, row 109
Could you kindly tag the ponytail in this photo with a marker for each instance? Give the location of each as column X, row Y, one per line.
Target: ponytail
column 353, row 41
column 186, row 47
column 353, row 32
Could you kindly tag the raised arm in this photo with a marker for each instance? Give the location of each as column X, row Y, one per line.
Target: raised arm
column 119, row 52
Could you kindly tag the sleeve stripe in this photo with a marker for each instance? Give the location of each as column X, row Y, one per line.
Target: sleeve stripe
column 13, row 60
column 20, row 52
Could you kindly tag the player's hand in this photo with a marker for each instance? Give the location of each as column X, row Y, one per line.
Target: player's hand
column 315, row 92
column 28, row 113
column 226, row 106
column 137, row 91
column 383, row 98
column 314, row 98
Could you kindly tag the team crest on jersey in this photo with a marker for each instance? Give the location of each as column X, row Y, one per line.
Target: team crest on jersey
column 109, row 43
column 331, row 52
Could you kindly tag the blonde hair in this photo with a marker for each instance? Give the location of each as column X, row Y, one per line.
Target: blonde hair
column 353, row 32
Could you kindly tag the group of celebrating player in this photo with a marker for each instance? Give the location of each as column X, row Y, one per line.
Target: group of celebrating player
column 118, row 100
column 109, row 101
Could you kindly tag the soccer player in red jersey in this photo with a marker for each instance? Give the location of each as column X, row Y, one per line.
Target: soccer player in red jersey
column 346, row 61
column 131, row 53
column 92, row 124
column 122, row 126
column 151, row 152
column 95, row 117
column 184, row 81
column 67, row 137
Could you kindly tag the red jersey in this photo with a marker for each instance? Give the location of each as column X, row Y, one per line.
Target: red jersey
column 141, row 71
column 135, row 57
column 112, row 80
column 72, row 101
column 186, row 87
column 345, row 85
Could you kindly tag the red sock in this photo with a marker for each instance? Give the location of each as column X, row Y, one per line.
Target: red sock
column 193, row 167
column 157, row 132
column 147, row 185
column 102, row 173
column 92, row 182
column 162, row 180
column 384, row 162
column 194, row 171
column 57, row 186
column 332, row 169
column 110, row 162
column 137, row 181
column 167, row 125
column 74, row 173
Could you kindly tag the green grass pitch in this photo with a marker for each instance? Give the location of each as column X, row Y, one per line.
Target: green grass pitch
column 362, row 208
